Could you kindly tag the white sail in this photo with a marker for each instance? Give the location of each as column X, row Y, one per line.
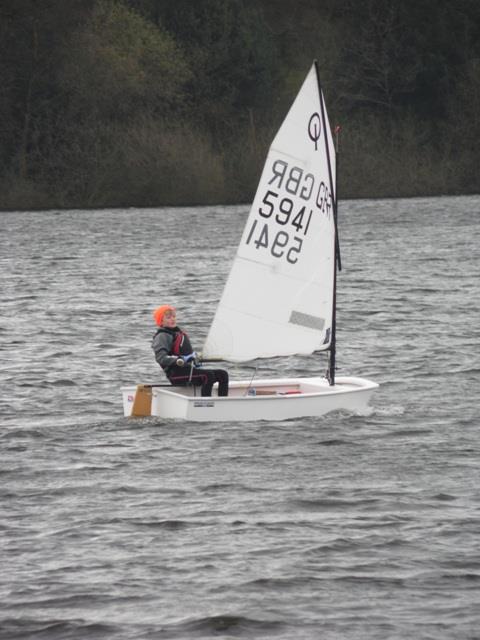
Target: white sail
column 278, row 299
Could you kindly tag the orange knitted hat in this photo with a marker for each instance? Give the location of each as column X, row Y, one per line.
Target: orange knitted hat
column 160, row 312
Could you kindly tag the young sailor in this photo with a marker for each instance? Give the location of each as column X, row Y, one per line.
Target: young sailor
column 174, row 353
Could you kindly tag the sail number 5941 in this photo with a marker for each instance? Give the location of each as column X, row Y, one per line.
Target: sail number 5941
column 283, row 212
column 278, row 245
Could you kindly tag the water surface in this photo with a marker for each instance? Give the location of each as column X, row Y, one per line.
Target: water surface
column 344, row 526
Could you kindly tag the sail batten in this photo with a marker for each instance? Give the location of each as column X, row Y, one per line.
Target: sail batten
column 278, row 298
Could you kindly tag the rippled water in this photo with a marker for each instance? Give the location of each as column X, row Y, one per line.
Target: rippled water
column 345, row 526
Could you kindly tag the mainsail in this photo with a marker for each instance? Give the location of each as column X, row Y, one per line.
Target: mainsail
column 279, row 295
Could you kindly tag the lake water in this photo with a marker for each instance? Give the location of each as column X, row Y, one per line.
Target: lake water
column 346, row 526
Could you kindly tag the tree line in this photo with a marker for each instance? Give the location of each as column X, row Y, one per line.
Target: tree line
column 153, row 102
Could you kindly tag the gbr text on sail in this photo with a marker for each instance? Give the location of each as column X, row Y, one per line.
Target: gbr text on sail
column 282, row 218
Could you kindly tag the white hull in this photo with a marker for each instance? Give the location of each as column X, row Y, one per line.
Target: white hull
column 275, row 399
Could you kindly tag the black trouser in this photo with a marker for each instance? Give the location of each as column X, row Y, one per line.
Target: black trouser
column 206, row 378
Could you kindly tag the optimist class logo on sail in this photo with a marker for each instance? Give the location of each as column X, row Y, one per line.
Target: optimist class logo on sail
column 315, row 128
column 282, row 219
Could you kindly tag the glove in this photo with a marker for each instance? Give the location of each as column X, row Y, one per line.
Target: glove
column 191, row 356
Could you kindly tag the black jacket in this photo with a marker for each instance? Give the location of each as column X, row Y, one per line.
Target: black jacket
column 168, row 344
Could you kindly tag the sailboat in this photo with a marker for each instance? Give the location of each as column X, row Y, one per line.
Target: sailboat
column 280, row 295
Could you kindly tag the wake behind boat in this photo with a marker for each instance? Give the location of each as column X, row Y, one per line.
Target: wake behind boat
column 280, row 295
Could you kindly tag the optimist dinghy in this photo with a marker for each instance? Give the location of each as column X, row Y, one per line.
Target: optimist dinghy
column 280, row 295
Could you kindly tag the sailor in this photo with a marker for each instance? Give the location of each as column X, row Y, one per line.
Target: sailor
column 174, row 353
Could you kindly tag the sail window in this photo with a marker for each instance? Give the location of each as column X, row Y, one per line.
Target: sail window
column 307, row 320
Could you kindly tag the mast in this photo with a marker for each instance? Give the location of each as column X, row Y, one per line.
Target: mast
column 337, row 260
column 337, row 265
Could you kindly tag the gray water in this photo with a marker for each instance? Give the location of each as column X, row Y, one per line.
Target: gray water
column 345, row 526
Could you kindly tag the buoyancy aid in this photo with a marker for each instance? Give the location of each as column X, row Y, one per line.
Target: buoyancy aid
column 181, row 345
